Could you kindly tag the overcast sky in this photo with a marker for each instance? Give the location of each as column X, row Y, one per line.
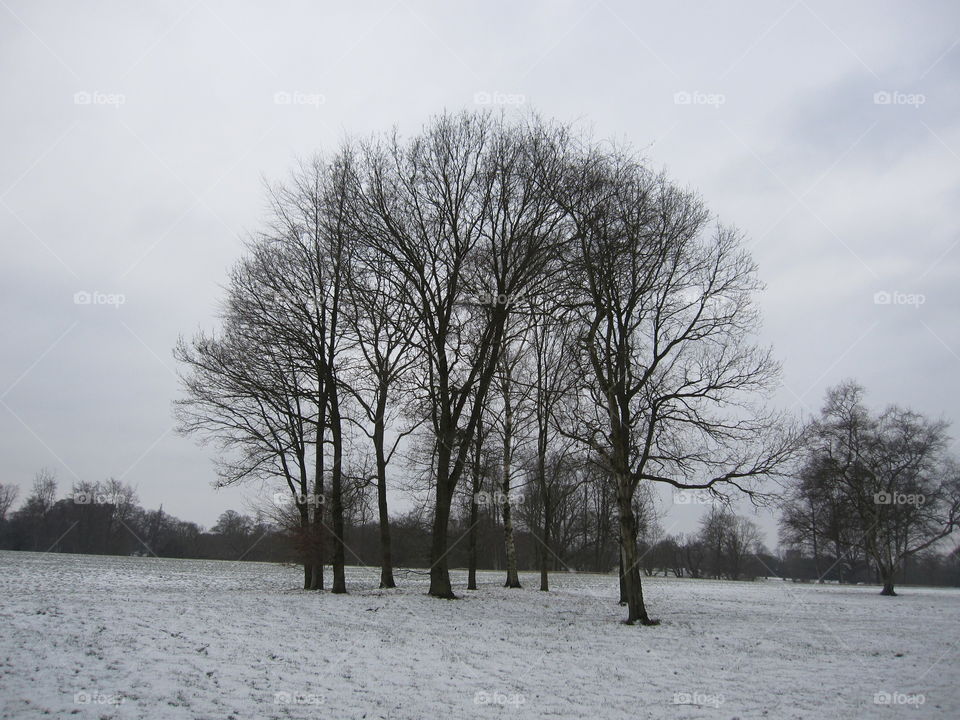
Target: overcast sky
column 136, row 137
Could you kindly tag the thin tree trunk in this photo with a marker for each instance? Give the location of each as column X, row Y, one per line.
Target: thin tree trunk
column 545, row 552
column 474, row 512
column 545, row 549
column 316, row 533
column 336, row 500
column 386, row 562
column 513, row 577
column 305, row 529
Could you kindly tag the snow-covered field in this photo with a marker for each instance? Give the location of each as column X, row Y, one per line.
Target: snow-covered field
column 111, row 637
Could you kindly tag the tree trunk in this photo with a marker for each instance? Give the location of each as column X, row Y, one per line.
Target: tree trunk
column 816, row 545
column 545, row 553
column 513, row 578
column 886, row 576
column 307, row 549
column 336, row 500
column 472, row 545
column 315, row 534
column 545, row 549
column 477, row 482
column 386, row 562
column 439, row 572
column 636, row 610
column 620, row 574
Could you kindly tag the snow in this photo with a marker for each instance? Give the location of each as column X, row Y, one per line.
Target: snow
column 113, row 637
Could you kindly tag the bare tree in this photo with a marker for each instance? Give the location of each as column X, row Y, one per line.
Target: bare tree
column 510, row 419
column 311, row 229
column 550, row 385
column 818, row 520
column 8, row 496
column 244, row 390
column 236, row 530
column 892, row 474
column 382, row 329
column 480, row 466
column 44, row 492
column 665, row 307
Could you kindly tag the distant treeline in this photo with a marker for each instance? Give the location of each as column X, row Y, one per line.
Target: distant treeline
column 106, row 518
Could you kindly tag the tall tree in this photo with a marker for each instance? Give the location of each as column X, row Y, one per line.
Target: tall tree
column 461, row 214
column 892, row 473
column 382, row 330
column 244, row 389
column 665, row 307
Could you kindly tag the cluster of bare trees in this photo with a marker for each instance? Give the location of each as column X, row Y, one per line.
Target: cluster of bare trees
column 528, row 303
column 727, row 545
column 878, row 488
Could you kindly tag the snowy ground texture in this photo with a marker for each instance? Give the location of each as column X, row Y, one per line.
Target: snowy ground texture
column 111, row 637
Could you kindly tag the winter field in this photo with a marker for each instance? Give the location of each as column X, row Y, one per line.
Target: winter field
column 117, row 637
